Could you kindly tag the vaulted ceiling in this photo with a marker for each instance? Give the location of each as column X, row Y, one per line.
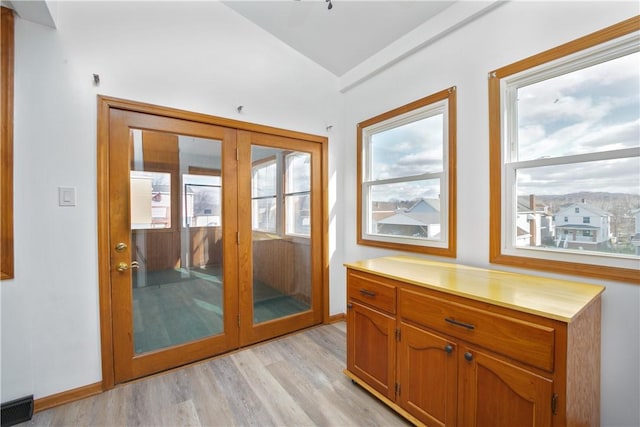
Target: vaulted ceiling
column 345, row 35
column 354, row 39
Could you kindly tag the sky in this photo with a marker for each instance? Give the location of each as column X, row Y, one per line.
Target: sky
column 412, row 149
column 595, row 109
column 408, row 151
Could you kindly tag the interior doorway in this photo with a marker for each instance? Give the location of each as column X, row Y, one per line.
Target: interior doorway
column 211, row 236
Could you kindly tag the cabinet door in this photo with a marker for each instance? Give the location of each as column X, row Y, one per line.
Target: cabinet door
column 497, row 393
column 371, row 350
column 428, row 375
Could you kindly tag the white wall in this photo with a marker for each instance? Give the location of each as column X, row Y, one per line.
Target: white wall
column 511, row 32
column 201, row 57
column 205, row 58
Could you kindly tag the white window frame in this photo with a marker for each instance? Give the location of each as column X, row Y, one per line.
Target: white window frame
column 287, row 194
column 564, row 59
column 265, row 163
column 279, row 161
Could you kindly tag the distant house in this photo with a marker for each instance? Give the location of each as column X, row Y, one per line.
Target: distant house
column 381, row 210
column 582, row 226
column 420, row 220
column 635, row 239
column 533, row 222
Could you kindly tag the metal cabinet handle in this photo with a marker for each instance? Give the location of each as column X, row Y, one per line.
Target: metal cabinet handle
column 458, row 323
column 468, row 356
column 367, row 293
column 448, row 348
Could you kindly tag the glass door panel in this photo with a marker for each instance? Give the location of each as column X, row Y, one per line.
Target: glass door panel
column 281, row 240
column 176, row 237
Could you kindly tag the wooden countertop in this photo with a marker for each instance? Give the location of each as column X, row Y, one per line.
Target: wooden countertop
column 552, row 298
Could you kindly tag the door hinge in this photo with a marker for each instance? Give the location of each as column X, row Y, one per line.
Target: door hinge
column 397, row 389
column 237, row 154
column 398, row 334
column 554, row 404
column 238, row 320
column 237, row 237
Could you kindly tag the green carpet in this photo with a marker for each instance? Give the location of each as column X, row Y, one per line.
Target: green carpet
column 177, row 306
column 169, row 313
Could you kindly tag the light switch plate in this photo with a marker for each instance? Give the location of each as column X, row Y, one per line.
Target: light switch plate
column 66, row 196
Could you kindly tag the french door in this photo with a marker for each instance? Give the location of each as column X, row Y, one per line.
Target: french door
column 280, row 235
column 172, row 239
column 214, row 240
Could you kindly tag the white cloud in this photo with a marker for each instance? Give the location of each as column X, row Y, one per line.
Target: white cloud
column 596, row 109
column 408, row 150
column 614, row 176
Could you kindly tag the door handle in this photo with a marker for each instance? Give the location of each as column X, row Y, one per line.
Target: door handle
column 123, row 266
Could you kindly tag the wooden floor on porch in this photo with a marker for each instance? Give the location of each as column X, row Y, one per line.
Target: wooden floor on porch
column 296, row 380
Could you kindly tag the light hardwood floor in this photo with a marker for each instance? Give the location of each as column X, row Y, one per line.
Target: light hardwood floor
column 292, row 381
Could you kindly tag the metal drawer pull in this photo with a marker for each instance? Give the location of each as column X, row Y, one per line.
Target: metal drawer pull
column 367, row 293
column 458, row 323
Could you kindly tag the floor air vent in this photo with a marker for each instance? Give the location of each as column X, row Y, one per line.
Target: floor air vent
column 17, row 411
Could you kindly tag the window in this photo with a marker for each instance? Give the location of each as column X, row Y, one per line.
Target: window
column 150, row 200
column 264, row 195
column 6, row 145
column 281, row 178
column 406, row 177
column 203, row 201
column 202, row 196
column 565, row 136
column 297, row 195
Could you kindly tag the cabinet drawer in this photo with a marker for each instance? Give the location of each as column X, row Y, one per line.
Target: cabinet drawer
column 371, row 291
column 525, row 341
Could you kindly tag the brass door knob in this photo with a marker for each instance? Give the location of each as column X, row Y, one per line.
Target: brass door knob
column 123, row 266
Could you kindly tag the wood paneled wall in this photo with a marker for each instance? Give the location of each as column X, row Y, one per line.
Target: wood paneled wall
column 161, row 249
column 156, row 249
column 302, row 270
column 206, row 246
column 285, row 265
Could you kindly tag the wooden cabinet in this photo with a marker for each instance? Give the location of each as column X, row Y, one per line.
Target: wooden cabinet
column 371, row 327
column 496, row 392
column 429, row 378
column 448, row 345
column 372, row 336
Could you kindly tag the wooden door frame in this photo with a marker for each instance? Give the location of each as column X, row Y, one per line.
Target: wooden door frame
column 105, row 104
